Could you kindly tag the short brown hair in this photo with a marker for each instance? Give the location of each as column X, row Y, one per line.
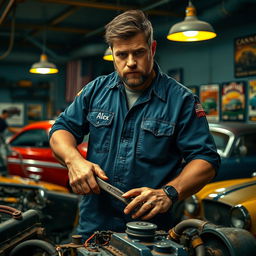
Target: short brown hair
column 127, row 25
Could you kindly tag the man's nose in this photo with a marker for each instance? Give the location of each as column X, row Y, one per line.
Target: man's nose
column 131, row 61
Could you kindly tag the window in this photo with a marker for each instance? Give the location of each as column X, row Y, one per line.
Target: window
column 220, row 139
column 32, row 138
column 250, row 144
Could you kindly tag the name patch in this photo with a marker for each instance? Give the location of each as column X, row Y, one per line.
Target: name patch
column 102, row 116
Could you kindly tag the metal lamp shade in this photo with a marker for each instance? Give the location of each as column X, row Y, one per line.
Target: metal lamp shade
column 108, row 55
column 191, row 29
column 43, row 67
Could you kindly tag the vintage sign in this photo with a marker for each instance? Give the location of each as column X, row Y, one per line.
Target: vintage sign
column 209, row 97
column 252, row 100
column 233, row 101
column 245, row 56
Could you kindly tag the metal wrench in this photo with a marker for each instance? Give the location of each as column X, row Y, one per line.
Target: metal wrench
column 114, row 191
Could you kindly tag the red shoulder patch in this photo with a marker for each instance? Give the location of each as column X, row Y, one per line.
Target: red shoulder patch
column 199, row 110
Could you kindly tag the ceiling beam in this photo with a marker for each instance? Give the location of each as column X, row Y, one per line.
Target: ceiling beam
column 58, row 19
column 6, row 11
column 64, row 15
column 111, row 7
column 52, row 28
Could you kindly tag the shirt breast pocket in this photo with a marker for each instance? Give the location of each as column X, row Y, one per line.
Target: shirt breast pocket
column 100, row 130
column 155, row 139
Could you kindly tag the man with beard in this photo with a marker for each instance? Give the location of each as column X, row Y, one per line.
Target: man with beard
column 148, row 136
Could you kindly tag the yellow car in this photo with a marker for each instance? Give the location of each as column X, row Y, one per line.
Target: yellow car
column 227, row 203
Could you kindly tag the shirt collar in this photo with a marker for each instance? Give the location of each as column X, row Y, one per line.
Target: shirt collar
column 157, row 88
column 157, row 85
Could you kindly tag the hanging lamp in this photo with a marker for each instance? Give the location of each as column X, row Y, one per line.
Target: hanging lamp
column 191, row 29
column 43, row 66
column 108, row 55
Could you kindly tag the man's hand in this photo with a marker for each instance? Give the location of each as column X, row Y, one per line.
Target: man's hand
column 82, row 176
column 147, row 202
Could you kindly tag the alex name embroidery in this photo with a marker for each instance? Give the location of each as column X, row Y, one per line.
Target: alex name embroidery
column 102, row 116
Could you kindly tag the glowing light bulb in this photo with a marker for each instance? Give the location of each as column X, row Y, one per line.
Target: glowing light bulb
column 190, row 33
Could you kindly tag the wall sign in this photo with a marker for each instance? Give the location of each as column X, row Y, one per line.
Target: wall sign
column 209, row 97
column 18, row 109
column 252, row 100
column 245, row 56
column 233, row 101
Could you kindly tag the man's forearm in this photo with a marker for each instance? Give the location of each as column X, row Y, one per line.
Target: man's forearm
column 194, row 176
column 64, row 146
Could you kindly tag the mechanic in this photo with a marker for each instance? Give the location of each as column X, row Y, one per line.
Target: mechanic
column 3, row 146
column 3, row 123
column 148, row 136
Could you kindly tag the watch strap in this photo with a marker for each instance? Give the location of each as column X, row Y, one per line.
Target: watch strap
column 172, row 193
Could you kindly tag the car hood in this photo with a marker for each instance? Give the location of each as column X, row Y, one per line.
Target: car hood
column 233, row 194
column 24, row 181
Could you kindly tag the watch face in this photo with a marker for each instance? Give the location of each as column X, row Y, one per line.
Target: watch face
column 171, row 193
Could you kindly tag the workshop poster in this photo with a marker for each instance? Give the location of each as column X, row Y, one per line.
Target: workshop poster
column 252, row 100
column 209, row 97
column 17, row 113
column 233, row 101
column 245, row 56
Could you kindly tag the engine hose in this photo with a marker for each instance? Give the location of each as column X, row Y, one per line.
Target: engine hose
column 176, row 232
column 200, row 250
column 185, row 224
column 34, row 243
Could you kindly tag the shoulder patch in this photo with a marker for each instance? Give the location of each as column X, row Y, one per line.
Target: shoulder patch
column 199, row 110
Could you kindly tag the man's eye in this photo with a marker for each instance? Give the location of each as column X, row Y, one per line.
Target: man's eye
column 139, row 53
column 121, row 55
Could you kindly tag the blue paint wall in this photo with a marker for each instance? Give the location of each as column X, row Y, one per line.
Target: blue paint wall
column 202, row 63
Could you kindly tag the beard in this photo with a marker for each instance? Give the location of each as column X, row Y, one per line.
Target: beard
column 134, row 82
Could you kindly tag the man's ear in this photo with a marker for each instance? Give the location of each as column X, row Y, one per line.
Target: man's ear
column 153, row 48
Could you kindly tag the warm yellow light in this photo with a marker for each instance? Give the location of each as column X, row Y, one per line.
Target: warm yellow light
column 108, row 55
column 191, row 29
column 43, row 67
column 199, row 36
column 43, row 70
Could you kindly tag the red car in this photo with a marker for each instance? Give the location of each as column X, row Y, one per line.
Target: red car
column 32, row 157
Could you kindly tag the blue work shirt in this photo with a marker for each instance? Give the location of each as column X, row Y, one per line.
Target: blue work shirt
column 145, row 146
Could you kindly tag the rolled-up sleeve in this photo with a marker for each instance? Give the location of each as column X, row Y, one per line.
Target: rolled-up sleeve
column 73, row 119
column 194, row 138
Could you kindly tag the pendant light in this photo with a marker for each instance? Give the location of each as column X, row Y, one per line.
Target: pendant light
column 108, row 55
column 43, row 66
column 191, row 29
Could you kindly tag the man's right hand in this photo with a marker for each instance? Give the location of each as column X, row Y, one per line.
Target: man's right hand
column 82, row 176
column 81, row 172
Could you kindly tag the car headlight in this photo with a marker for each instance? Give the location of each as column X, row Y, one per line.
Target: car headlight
column 192, row 205
column 240, row 217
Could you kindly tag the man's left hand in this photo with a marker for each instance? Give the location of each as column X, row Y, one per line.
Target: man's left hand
column 147, row 202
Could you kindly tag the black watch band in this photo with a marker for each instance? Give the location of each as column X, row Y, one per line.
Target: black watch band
column 172, row 193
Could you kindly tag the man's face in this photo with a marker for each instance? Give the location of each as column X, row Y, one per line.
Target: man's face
column 133, row 61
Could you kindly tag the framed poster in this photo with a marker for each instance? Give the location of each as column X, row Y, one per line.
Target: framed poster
column 245, row 56
column 17, row 118
column 252, row 100
column 233, row 101
column 209, row 97
column 34, row 112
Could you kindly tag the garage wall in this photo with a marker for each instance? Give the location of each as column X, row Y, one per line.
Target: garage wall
column 204, row 62
column 46, row 90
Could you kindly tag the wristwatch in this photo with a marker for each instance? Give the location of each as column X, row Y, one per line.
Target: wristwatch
column 172, row 193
